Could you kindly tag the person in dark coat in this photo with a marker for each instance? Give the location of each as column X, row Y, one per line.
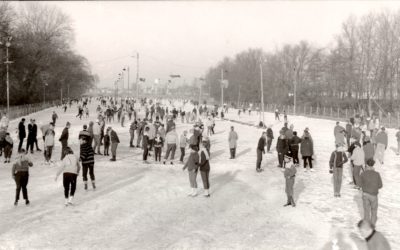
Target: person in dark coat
column 374, row 239
column 204, row 163
column 349, row 128
column 270, row 137
column 294, row 147
column 107, row 142
column 114, row 143
column 260, row 151
column 145, row 144
column 307, row 149
column 192, row 164
column 64, row 140
column 31, row 137
column 282, row 148
column 84, row 134
column 21, row 133
column 336, row 162
column 20, row 173
column 34, row 135
column 86, row 157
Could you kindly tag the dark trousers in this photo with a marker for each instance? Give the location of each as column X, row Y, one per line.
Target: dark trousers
column 86, row 167
column 151, row 142
column 182, row 154
column 281, row 156
column 21, row 180
column 64, row 145
column 106, row 148
column 114, row 150
column 170, row 149
column 21, row 141
column 205, row 177
column 305, row 159
column 269, row 142
column 259, row 159
column 132, row 133
column 157, row 153
column 37, row 148
column 145, row 153
column 233, row 152
column 29, row 144
column 69, row 182
column 295, row 155
column 48, row 153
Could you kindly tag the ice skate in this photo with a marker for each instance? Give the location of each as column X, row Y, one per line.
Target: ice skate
column 70, row 202
column 93, row 185
column 27, row 202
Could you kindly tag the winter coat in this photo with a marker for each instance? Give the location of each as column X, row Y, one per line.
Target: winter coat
column 70, row 164
column 270, row 133
column 290, row 175
column 288, row 134
column 32, row 131
column 358, row 157
column 370, row 182
column 64, row 136
column 282, row 145
column 21, row 164
column 307, row 146
column 340, row 139
column 337, row 130
column 152, row 131
column 204, row 159
column 369, row 151
column 44, row 129
column 114, row 137
column 382, row 138
column 84, row 134
column 145, row 141
column 106, row 140
column 49, row 138
column 96, row 129
column 183, row 141
column 349, row 128
column 21, row 130
column 170, row 125
column 86, row 155
column 294, row 142
column 261, row 144
column 337, row 159
column 233, row 138
column 192, row 162
column 158, row 142
column 4, row 122
column 172, row 138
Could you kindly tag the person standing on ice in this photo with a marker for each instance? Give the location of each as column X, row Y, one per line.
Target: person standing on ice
column 21, row 133
column 64, row 139
column 20, row 173
column 96, row 137
column 114, row 143
column 381, row 145
column 107, row 142
column 307, row 149
column 260, row 151
column 336, row 162
column 70, row 168
column 370, row 182
column 54, row 117
column 158, row 145
column 183, row 141
column 358, row 160
column 277, row 115
column 172, row 142
column 270, row 137
column 232, row 139
column 86, row 157
column 192, row 164
column 294, row 147
column 290, row 175
column 145, row 144
column 8, row 147
column 204, row 163
column 132, row 130
column 349, row 128
column 49, row 143
column 282, row 148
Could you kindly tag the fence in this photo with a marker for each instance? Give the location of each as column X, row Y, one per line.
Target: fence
column 388, row 120
column 24, row 110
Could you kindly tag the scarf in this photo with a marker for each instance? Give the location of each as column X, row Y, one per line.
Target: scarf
column 204, row 150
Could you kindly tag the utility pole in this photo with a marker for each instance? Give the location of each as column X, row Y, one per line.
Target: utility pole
column 128, row 83
column 294, row 91
column 137, row 76
column 262, row 92
column 222, row 88
column 68, row 91
column 7, row 62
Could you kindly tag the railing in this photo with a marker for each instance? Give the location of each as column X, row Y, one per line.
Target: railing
column 24, row 110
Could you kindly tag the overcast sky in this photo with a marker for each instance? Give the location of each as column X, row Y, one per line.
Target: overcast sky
column 187, row 38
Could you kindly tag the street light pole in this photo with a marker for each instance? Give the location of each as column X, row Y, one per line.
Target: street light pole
column 7, row 62
column 222, row 88
column 262, row 92
column 137, row 75
column 294, row 91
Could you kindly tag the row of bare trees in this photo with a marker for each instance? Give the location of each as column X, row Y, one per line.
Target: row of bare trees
column 362, row 64
column 42, row 54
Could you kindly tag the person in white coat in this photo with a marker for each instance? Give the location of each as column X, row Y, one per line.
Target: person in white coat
column 358, row 160
column 233, row 138
column 49, row 143
column 96, row 136
column 172, row 141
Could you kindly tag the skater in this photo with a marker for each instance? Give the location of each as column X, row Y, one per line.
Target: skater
column 20, row 173
column 349, row 128
column 86, row 157
column 277, row 115
column 290, row 175
column 106, row 143
column 114, row 143
column 49, row 143
column 204, row 163
column 96, row 137
column 158, row 145
column 368, row 149
column 232, row 139
column 192, row 165
column 54, row 117
column 34, row 135
column 270, row 137
column 336, row 162
column 182, row 145
column 294, row 147
column 172, row 142
column 260, row 151
column 8, row 147
column 21, row 133
column 64, row 139
column 358, row 160
column 370, row 182
column 307, row 149
column 285, row 116
column 282, row 148
column 31, row 137
column 374, row 239
column 132, row 130
column 145, row 144
column 70, row 168
column 381, row 145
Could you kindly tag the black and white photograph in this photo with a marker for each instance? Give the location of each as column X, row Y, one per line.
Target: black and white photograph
column 152, row 125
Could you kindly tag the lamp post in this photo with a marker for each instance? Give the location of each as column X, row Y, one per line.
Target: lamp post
column 137, row 74
column 222, row 88
column 294, row 91
column 262, row 91
column 7, row 62
column 127, row 69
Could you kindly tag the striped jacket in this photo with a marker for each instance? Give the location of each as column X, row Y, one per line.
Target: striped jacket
column 87, row 154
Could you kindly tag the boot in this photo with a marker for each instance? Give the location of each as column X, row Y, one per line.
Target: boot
column 66, row 202
column 93, row 185
column 27, row 202
column 206, row 193
column 85, row 182
column 288, row 202
column 70, row 200
column 16, row 203
column 194, row 192
column 292, row 201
